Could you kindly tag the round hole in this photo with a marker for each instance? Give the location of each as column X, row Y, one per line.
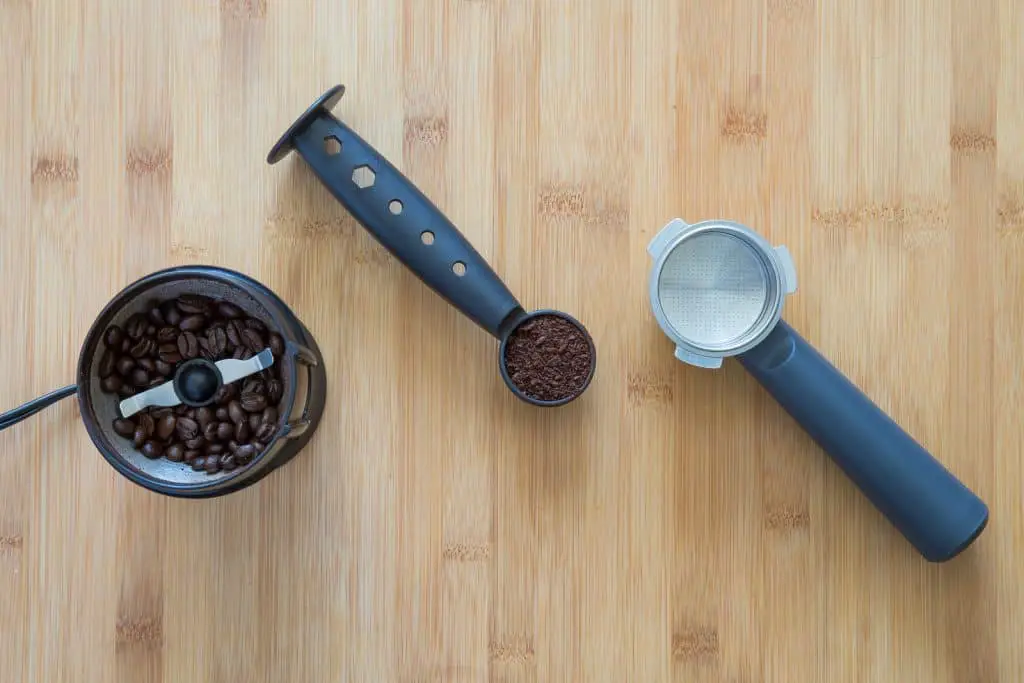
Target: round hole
column 427, row 237
column 395, row 206
column 459, row 268
column 332, row 145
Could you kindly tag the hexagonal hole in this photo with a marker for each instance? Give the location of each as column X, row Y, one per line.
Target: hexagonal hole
column 332, row 145
column 363, row 177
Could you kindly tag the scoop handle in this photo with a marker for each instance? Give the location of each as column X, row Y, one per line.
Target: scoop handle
column 928, row 505
column 404, row 221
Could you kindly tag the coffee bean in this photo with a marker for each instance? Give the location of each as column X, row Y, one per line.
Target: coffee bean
column 167, row 335
column 125, row 365
column 195, row 444
column 191, row 455
column 275, row 391
column 226, row 393
column 198, row 463
column 214, row 448
column 228, row 311
column 181, row 410
column 204, row 416
column 192, row 323
column 269, row 415
column 111, row 384
column 147, row 364
column 232, row 445
column 147, row 423
column 252, row 340
column 245, row 454
column 218, row 340
column 225, row 430
column 276, row 343
column 140, row 377
column 255, row 420
column 266, row 432
column 259, row 446
column 164, row 368
column 152, row 450
column 168, row 353
column 235, row 412
column 253, row 402
column 240, row 353
column 114, row 337
column 253, row 386
column 192, row 413
column 190, row 304
column 126, row 390
column 212, row 465
column 106, row 367
column 139, row 437
column 160, row 413
column 254, row 324
column 155, row 382
column 124, row 427
column 173, row 316
column 210, row 431
column 227, row 462
column 233, row 330
column 150, row 330
column 187, row 428
column 242, row 431
column 165, row 427
column 175, row 452
column 204, row 349
column 156, row 317
column 136, row 326
column 188, row 345
column 143, row 347
column 222, row 414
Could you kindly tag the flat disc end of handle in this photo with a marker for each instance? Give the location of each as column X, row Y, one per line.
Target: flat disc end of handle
column 285, row 143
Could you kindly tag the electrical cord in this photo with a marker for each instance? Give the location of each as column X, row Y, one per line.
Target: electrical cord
column 12, row 417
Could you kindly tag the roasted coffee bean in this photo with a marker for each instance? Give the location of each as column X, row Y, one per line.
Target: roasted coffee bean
column 147, row 423
column 165, row 427
column 214, row 448
column 212, row 465
column 222, row 414
column 126, row 390
column 106, row 367
column 140, row 377
column 255, row 420
column 190, row 304
column 252, row 340
column 192, row 323
column 276, row 343
column 167, row 335
column 139, row 437
column 253, row 386
column 204, row 349
column 228, row 311
column 204, row 416
column 150, row 330
column 152, row 450
column 236, row 413
column 164, row 368
column 136, row 326
column 226, row 393
column 242, row 431
column 173, row 316
column 143, row 347
column 269, row 415
column 111, row 384
column 114, row 337
column 240, row 352
column 156, row 317
column 266, row 432
column 175, row 452
column 161, row 413
column 187, row 428
column 225, row 431
column 259, row 446
column 245, row 454
column 253, row 402
column 181, row 410
column 232, row 445
column 168, row 353
column 155, row 382
column 210, row 431
column 192, row 413
column 198, row 463
column 233, row 330
column 227, row 462
column 124, row 427
column 275, row 391
column 147, row 364
column 195, row 444
column 125, row 365
column 191, row 455
column 254, row 324
column 218, row 340
column 188, row 345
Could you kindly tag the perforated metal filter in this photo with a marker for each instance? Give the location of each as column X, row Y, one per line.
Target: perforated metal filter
column 717, row 288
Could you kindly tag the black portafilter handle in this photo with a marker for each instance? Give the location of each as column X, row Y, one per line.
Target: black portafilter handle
column 398, row 215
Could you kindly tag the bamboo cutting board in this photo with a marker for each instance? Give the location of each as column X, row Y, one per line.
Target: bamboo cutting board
column 672, row 525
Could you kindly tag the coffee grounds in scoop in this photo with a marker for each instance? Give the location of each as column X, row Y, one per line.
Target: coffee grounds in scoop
column 548, row 358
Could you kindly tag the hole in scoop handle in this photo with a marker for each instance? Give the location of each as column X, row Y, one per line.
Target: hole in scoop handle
column 398, row 215
column 927, row 504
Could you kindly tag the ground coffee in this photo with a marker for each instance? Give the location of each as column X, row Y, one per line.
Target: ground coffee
column 147, row 351
column 548, row 358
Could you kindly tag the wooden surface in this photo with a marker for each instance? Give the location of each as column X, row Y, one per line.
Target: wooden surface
column 673, row 524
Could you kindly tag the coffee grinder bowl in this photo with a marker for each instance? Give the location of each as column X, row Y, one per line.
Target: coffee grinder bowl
column 405, row 222
column 301, row 371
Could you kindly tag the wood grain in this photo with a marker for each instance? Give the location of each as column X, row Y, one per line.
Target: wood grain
column 674, row 524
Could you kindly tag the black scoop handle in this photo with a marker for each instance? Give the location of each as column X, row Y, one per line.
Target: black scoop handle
column 930, row 507
column 404, row 221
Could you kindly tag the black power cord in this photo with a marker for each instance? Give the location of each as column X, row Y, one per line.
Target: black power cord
column 12, row 417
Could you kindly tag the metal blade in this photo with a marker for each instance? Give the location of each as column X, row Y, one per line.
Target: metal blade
column 232, row 370
column 162, row 396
